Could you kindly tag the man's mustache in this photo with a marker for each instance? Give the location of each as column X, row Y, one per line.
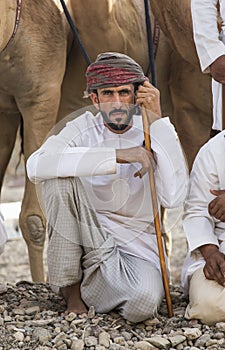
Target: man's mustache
column 121, row 111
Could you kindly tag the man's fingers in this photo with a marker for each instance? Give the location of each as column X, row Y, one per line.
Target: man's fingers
column 138, row 174
column 217, row 192
column 213, row 208
column 214, row 273
column 216, row 207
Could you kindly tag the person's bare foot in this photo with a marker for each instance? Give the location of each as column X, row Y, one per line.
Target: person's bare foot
column 73, row 299
column 77, row 307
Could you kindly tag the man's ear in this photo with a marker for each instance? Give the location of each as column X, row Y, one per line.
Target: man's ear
column 95, row 100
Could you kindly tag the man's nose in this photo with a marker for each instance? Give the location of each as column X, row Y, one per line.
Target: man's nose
column 116, row 98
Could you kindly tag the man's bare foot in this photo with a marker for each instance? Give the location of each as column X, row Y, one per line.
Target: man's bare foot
column 77, row 308
column 73, row 299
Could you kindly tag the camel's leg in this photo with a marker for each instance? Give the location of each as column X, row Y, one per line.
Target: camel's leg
column 192, row 106
column 39, row 118
column 8, row 131
column 163, row 67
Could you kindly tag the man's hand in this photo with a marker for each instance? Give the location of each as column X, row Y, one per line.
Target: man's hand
column 217, row 69
column 136, row 155
column 214, row 268
column 216, row 207
column 149, row 97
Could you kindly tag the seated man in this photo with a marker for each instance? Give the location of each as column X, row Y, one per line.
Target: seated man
column 203, row 274
column 102, row 244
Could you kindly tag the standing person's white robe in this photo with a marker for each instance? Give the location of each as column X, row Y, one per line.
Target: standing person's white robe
column 210, row 45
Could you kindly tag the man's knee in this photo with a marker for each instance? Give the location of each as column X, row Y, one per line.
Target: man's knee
column 206, row 300
column 142, row 306
column 57, row 185
column 206, row 310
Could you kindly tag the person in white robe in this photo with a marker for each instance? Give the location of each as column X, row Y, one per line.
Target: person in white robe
column 103, row 248
column 203, row 274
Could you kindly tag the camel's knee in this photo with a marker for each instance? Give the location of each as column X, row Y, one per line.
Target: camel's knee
column 33, row 229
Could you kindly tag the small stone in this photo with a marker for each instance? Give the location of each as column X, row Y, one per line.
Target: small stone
column 152, row 322
column 19, row 336
column 77, row 322
column 7, row 318
column 2, row 309
column 91, row 341
column 177, row 339
column 61, row 336
column 120, row 341
column 77, row 344
column 70, row 317
column 160, row 342
column 221, row 326
column 127, row 336
column 104, row 339
column 3, row 288
column 32, row 310
column 202, row 340
column 41, row 334
column 91, row 312
column 62, row 346
column 192, row 333
column 18, row 312
column 211, row 342
column 143, row 345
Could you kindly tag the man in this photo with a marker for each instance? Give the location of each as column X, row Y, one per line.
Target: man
column 210, row 47
column 102, row 249
column 203, row 274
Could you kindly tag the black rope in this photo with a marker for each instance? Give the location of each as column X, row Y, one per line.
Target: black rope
column 150, row 43
column 74, row 29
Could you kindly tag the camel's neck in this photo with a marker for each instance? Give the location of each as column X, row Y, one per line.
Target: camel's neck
column 7, row 21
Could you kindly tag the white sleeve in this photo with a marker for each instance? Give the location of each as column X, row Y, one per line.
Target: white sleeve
column 60, row 156
column 171, row 174
column 198, row 224
column 205, row 31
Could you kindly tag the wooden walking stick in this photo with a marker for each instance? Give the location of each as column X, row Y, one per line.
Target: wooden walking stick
column 156, row 216
column 151, row 173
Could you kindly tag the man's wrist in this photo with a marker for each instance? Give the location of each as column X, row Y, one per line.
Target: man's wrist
column 208, row 250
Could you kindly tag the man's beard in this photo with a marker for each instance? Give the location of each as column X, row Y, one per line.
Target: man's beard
column 119, row 127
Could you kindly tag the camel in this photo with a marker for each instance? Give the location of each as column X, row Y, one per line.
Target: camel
column 30, row 89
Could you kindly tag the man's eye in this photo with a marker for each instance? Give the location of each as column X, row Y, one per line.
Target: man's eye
column 107, row 93
column 124, row 93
